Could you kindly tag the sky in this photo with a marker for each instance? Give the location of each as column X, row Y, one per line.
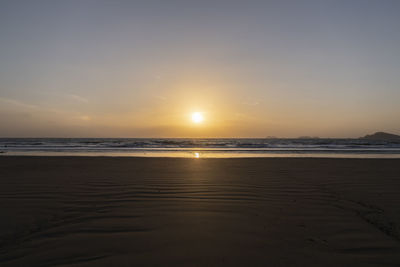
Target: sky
column 251, row 68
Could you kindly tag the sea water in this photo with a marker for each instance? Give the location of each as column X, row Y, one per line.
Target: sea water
column 201, row 147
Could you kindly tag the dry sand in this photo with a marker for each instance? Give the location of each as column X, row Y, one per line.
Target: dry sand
column 205, row 212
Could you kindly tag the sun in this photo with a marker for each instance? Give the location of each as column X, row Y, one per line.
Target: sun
column 197, row 117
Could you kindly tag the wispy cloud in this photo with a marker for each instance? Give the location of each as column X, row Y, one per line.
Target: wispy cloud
column 78, row 98
column 251, row 103
column 59, row 95
column 18, row 103
column 160, row 97
column 85, row 118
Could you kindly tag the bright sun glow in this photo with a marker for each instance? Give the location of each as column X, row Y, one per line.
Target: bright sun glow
column 197, row 117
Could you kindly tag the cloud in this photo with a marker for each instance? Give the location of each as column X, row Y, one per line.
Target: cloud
column 251, row 103
column 160, row 97
column 78, row 98
column 85, row 118
column 59, row 95
column 19, row 106
column 18, row 103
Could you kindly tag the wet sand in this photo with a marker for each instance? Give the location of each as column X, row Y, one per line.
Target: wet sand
column 99, row 211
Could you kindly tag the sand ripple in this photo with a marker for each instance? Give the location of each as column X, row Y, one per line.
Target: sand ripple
column 127, row 211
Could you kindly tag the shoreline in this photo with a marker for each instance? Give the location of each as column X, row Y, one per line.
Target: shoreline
column 200, row 154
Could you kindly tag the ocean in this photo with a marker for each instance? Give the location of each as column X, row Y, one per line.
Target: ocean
column 201, row 147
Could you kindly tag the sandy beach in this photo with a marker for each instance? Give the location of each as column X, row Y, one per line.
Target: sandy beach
column 104, row 211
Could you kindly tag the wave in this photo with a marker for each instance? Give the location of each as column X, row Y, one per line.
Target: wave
column 275, row 145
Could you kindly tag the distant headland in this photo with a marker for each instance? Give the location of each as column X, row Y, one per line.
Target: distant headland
column 382, row 136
